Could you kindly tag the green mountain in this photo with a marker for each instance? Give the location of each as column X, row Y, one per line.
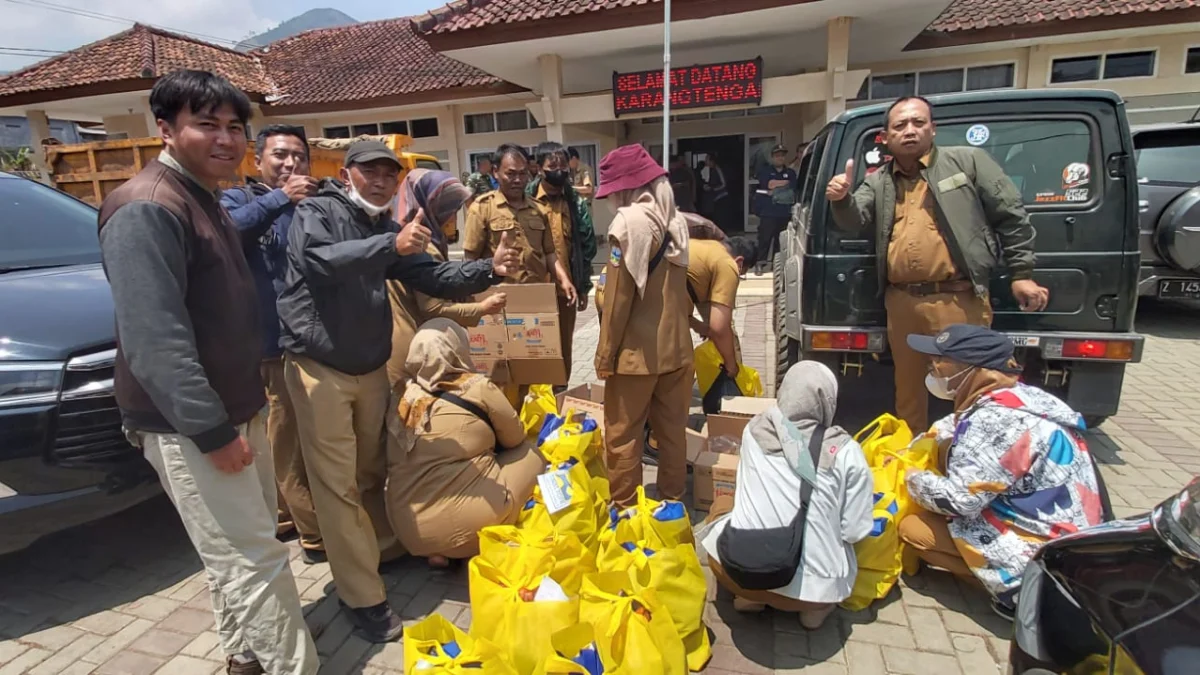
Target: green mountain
column 324, row 17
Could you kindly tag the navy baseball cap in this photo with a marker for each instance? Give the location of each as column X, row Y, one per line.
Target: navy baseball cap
column 972, row 345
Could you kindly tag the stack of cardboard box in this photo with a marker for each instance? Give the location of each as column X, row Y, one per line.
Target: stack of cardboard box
column 522, row 345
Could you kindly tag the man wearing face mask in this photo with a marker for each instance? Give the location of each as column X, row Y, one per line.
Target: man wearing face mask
column 1015, row 471
column 944, row 219
column 571, row 228
column 342, row 248
column 262, row 211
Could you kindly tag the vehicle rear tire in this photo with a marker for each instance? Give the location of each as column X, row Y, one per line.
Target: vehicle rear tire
column 787, row 350
column 1094, row 421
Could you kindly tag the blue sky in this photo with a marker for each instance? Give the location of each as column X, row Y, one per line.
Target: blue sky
column 61, row 25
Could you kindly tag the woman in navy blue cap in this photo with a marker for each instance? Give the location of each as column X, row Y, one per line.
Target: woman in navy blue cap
column 1017, row 472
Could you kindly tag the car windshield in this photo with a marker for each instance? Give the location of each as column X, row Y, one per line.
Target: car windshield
column 41, row 227
column 1168, row 156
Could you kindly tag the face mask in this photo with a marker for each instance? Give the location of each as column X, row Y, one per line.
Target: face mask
column 362, row 203
column 557, row 178
column 941, row 387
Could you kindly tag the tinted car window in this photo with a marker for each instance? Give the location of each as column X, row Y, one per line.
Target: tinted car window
column 1050, row 161
column 1168, row 156
column 41, row 227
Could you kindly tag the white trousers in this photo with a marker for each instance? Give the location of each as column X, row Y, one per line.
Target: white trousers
column 230, row 519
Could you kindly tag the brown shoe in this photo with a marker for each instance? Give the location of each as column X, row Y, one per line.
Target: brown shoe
column 249, row 668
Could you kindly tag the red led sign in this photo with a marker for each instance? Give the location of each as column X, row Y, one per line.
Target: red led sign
column 704, row 86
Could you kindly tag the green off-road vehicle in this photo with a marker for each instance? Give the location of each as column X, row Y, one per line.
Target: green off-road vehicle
column 1071, row 155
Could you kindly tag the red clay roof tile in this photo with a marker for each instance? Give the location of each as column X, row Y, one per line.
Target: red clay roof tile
column 360, row 62
column 965, row 15
column 141, row 52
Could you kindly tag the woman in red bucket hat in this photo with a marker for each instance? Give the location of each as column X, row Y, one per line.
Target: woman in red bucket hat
column 645, row 350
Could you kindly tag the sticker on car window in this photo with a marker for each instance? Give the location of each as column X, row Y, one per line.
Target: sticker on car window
column 1077, row 195
column 1076, row 174
column 978, row 134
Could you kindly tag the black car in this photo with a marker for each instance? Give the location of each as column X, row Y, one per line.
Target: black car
column 63, row 457
column 1168, row 165
column 1122, row 597
column 1070, row 154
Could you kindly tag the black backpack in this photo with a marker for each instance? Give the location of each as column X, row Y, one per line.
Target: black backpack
column 763, row 560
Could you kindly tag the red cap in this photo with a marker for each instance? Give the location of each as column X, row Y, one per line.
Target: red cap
column 627, row 168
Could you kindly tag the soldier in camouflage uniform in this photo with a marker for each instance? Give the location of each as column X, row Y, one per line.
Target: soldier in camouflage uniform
column 482, row 181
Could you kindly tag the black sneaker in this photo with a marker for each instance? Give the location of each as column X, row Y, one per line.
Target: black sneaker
column 375, row 624
column 1004, row 610
column 313, row 556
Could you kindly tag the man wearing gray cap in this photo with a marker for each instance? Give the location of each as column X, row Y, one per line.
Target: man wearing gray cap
column 336, row 328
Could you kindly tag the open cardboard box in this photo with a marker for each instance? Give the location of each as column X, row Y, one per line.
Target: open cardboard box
column 587, row 398
column 714, row 472
column 523, row 345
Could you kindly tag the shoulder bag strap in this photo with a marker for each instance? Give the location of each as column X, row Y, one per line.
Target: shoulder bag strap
column 658, row 255
column 814, row 450
column 465, row 405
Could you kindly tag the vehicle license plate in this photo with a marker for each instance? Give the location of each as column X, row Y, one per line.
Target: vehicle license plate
column 1179, row 288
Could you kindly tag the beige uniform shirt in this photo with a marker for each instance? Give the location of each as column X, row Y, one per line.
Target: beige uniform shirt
column 646, row 335
column 491, row 216
column 917, row 252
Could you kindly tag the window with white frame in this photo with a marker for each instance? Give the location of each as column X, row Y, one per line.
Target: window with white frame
column 1113, row 66
column 501, row 121
column 425, row 127
column 940, row 81
column 1191, row 61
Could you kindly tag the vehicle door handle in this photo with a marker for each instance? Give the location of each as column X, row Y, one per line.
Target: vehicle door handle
column 855, row 246
column 1143, row 205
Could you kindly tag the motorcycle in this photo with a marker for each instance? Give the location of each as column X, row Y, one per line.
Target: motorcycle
column 1121, row 598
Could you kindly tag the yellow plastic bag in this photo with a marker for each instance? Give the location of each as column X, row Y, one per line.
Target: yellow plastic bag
column 675, row 575
column 583, row 516
column 708, row 364
column 569, row 436
column 634, row 630
column 522, row 551
column 538, row 403
column 575, row 653
column 504, row 612
column 890, row 452
column 662, row 524
column 437, row 647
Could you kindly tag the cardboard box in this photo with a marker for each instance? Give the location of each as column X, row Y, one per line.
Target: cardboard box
column 525, row 337
column 714, row 472
column 588, row 398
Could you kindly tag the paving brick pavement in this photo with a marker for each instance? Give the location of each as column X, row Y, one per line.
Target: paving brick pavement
column 126, row 595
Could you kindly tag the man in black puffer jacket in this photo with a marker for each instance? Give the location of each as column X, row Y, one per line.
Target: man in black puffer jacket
column 337, row 330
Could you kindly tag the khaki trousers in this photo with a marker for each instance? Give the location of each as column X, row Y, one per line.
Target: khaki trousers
column 566, row 318
column 629, row 400
column 296, row 505
column 909, row 314
column 929, row 535
column 230, row 520
column 340, row 419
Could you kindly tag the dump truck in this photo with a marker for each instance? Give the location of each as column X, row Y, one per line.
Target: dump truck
column 90, row 171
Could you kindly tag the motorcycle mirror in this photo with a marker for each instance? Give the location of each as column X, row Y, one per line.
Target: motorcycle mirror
column 1177, row 521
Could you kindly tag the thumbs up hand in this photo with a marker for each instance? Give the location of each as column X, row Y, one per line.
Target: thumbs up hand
column 507, row 259
column 839, row 186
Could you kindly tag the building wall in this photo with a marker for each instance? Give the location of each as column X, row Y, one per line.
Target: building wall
column 1166, row 96
column 133, row 126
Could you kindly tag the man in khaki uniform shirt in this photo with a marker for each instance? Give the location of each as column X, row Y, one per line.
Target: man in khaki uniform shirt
column 581, row 175
column 936, row 268
column 714, row 272
column 509, row 209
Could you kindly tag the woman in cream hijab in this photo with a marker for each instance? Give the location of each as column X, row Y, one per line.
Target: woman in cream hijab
column 458, row 458
column 776, row 457
column 645, row 348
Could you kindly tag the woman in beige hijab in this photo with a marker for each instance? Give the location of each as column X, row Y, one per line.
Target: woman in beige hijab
column 458, row 457
column 644, row 353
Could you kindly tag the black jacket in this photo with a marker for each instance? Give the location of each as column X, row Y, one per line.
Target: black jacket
column 334, row 307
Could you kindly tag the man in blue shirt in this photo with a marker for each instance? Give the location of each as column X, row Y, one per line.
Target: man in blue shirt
column 773, row 202
column 262, row 211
